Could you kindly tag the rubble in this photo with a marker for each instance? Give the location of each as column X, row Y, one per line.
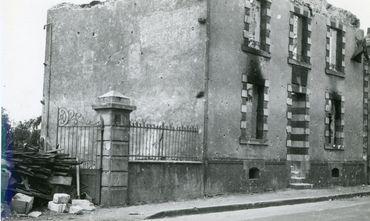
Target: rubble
column 35, row 214
column 22, row 204
column 84, row 204
column 58, row 208
column 37, row 172
column 75, row 209
column 61, row 198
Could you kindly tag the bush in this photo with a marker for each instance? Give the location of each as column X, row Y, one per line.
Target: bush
column 27, row 133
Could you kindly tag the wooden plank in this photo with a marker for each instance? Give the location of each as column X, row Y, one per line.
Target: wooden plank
column 61, row 180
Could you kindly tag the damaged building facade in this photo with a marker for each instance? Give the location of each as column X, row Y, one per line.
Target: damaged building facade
column 271, row 85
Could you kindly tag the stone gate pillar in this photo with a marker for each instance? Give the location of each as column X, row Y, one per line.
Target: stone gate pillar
column 114, row 109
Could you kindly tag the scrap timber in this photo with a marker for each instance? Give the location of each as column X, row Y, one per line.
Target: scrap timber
column 35, row 172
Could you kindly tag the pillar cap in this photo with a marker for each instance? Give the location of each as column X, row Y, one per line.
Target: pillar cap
column 113, row 100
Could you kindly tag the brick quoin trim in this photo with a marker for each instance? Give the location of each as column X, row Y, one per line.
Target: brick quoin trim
column 366, row 111
column 298, row 129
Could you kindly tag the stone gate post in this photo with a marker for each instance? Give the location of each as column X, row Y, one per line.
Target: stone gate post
column 114, row 109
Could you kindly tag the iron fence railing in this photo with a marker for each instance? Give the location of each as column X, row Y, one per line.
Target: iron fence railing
column 80, row 138
column 164, row 142
column 82, row 142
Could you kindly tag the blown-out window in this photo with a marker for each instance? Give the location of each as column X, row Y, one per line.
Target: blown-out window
column 254, row 109
column 300, row 34
column 335, row 52
column 335, row 48
column 334, row 122
column 257, row 26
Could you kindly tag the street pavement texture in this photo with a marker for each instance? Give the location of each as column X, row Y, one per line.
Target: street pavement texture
column 356, row 209
column 139, row 212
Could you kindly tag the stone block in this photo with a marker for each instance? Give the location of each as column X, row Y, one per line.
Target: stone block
column 35, row 214
column 75, row 209
column 112, row 117
column 114, row 196
column 84, row 204
column 115, row 148
column 61, row 198
column 114, row 179
column 58, row 208
column 22, row 204
column 116, row 133
column 115, row 163
column 61, row 180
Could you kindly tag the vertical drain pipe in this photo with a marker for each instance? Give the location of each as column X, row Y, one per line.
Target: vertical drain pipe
column 206, row 96
column 48, row 64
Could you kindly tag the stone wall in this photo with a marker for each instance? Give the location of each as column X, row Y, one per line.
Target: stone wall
column 151, row 51
column 232, row 176
column 160, row 182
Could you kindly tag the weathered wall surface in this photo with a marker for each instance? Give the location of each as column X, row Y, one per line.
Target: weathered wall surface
column 151, row 51
column 228, row 63
column 233, row 176
column 350, row 174
column 159, row 182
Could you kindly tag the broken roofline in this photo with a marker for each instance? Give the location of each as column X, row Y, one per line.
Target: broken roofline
column 315, row 6
column 81, row 6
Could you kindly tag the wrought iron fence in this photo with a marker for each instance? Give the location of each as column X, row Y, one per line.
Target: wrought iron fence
column 164, row 142
column 78, row 138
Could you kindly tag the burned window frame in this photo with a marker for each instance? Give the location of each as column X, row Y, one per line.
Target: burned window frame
column 332, row 98
column 303, row 59
column 245, row 137
column 339, row 68
column 263, row 47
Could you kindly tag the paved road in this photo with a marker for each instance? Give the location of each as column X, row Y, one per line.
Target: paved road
column 357, row 209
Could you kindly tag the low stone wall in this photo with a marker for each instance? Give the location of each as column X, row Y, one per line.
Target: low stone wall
column 228, row 176
column 164, row 181
column 350, row 174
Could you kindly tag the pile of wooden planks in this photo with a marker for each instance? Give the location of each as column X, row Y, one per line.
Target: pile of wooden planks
column 35, row 172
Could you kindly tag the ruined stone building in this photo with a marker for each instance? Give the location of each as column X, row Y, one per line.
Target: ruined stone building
column 272, row 84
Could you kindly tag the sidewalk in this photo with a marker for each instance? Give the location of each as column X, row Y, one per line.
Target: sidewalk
column 214, row 204
column 227, row 203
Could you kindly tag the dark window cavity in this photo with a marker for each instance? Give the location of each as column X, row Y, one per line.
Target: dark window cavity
column 254, row 173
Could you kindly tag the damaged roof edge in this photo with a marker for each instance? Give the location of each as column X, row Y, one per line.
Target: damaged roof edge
column 344, row 15
column 318, row 6
column 80, row 6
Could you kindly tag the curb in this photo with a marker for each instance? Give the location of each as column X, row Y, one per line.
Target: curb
column 235, row 207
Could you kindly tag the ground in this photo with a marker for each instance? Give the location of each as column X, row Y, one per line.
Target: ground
column 342, row 210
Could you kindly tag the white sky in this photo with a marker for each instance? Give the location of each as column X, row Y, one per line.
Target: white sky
column 22, row 48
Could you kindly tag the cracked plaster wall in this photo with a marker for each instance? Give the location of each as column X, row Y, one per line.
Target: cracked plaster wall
column 151, row 51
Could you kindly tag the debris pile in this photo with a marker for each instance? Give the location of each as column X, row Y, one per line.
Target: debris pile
column 60, row 204
column 36, row 172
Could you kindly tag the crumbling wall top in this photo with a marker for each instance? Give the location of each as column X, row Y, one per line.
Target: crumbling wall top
column 324, row 8
column 67, row 5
